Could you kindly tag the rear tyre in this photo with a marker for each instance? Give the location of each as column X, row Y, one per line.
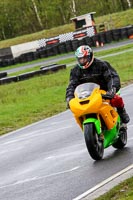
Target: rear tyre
column 93, row 142
column 122, row 139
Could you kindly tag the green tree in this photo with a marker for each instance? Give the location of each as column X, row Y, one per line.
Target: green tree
column 19, row 17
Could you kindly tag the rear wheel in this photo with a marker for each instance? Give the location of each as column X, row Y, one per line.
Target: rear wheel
column 93, row 142
column 122, row 139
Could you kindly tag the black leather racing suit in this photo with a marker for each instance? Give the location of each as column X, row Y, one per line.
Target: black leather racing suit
column 100, row 72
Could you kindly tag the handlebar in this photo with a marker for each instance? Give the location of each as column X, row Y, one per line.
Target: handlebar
column 106, row 96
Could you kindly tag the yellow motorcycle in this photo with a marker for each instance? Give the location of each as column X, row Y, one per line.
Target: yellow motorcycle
column 98, row 120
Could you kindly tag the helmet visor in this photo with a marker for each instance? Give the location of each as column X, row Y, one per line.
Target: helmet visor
column 82, row 61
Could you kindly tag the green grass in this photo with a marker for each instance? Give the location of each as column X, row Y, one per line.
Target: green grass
column 28, row 101
column 117, row 20
column 123, row 64
column 123, row 191
column 115, row 50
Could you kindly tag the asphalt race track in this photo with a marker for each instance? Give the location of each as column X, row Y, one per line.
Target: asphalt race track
column 48, row 160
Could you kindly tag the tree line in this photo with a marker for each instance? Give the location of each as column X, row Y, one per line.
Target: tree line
column 20, row 17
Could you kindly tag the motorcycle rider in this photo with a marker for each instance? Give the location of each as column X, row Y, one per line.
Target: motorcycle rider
column 90, row 69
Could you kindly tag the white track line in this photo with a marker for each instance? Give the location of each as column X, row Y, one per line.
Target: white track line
column 38, row 178
column 103, row 183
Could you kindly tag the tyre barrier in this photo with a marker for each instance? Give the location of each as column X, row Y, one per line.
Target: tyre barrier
column 102, row 38
column 8, row 80
column 27, row 75
column 3, row 74
column 51, row 51
column 75, row 44
column 42, row 53
column 71, row 45
column 6, row 53
column 81, row 42
column 7, row 62
column 123, row 32
column 44, row 70
column 108, row 37
column 129, row 31
column 116, row 35
column 89, row 41
column 55, row 68
column 62, row 48
column 53, row 64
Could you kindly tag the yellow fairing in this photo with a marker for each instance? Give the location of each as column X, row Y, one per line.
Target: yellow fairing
column 108, row 114
column 81, row 107
column 93, row 104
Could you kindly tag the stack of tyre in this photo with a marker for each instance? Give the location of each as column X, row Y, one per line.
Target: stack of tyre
column 69, row 46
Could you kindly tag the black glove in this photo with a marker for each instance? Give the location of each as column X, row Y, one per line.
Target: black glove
column 110, row 94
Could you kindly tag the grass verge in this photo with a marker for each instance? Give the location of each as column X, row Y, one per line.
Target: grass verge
column 123, row 191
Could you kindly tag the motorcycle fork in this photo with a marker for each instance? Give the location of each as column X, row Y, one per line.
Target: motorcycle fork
column 95, row 119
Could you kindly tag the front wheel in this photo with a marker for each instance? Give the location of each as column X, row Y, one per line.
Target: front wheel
column 93, row 142
column 122, row 139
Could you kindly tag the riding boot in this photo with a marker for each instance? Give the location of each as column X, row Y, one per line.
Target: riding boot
column 123, row 115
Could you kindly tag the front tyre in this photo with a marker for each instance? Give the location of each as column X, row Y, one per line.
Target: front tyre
column 93, row 142
column 122, row 139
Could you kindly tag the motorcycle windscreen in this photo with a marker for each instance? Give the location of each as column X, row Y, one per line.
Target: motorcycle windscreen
column 84, row 90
